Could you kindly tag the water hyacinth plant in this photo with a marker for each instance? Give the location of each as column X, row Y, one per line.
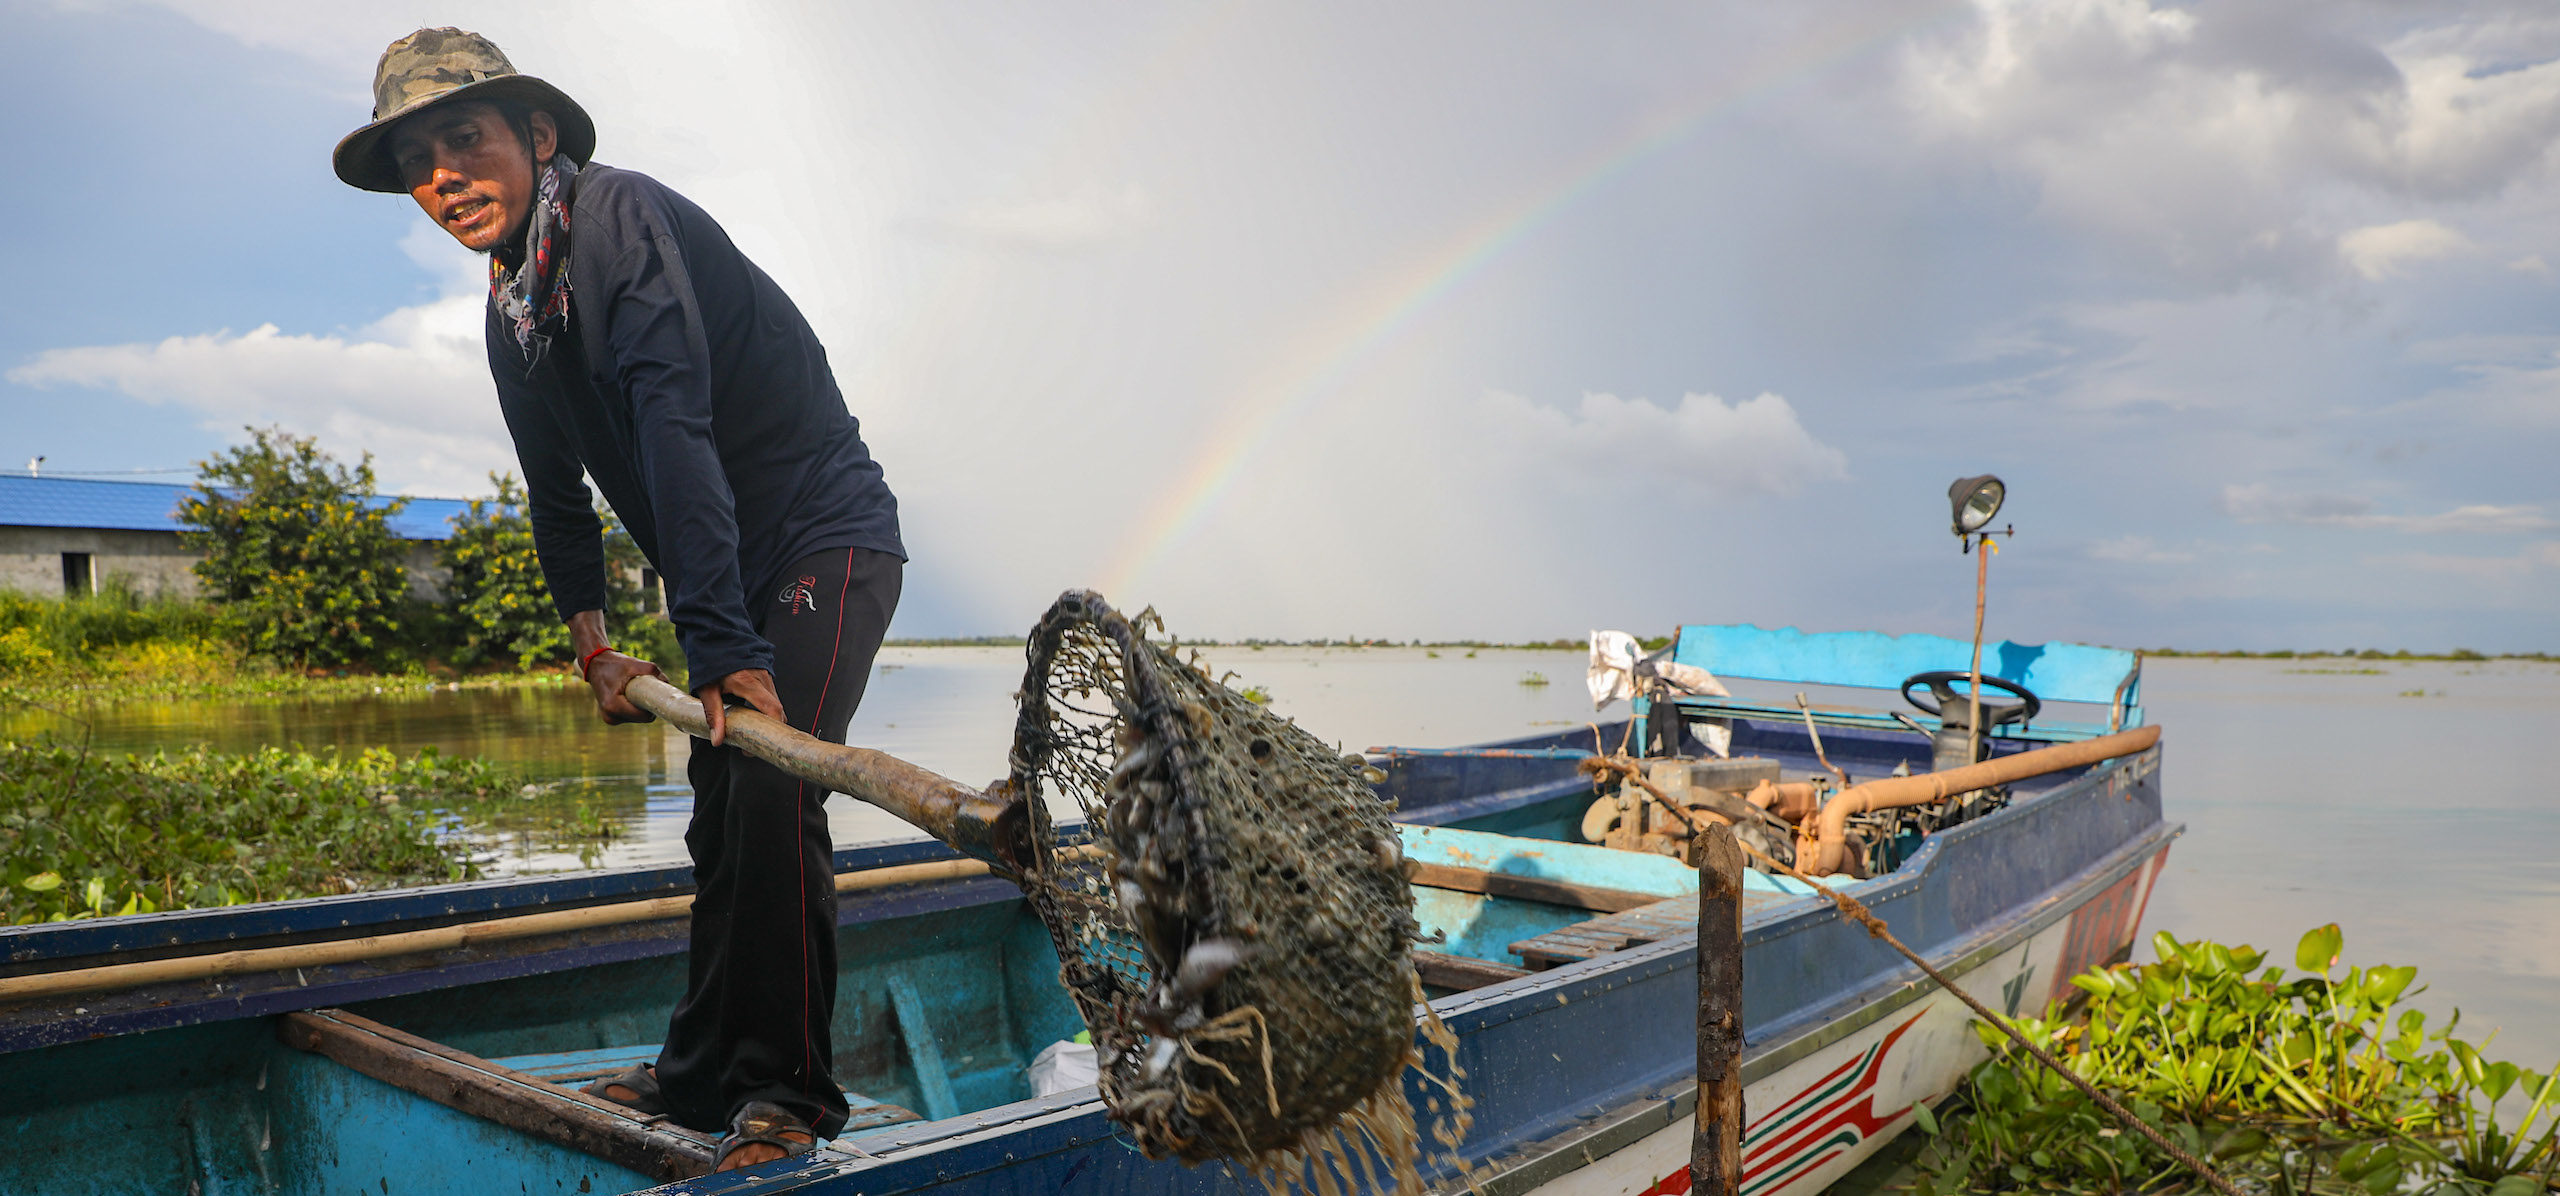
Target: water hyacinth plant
column 2314, row 1083
column 87, row 834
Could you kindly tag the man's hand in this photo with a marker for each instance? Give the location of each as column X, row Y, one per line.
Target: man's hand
column 607, row 674
column 607, row 671
column 751, row 686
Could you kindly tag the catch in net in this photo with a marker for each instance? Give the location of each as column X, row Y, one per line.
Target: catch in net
column 1233, row 920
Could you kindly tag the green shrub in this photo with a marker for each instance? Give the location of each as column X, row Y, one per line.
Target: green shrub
column 2318, row 1083
column 494, row 590
column 306, row 570
column 631, row 613
column 500, row 607
column 22, row 652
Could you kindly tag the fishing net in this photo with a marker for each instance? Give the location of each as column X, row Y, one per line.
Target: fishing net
column 1233, row 919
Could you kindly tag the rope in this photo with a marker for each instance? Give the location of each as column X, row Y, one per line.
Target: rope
column 1856, row 911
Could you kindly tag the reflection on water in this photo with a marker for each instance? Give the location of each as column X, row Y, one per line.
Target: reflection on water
column 2309, row 796
column 632, row 776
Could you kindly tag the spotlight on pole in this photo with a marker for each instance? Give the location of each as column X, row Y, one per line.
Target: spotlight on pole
column 1976, row 500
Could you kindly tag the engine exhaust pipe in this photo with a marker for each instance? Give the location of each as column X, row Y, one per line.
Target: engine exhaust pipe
column 1822, row 842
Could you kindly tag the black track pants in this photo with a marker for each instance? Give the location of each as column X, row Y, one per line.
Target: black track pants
column 761, row 980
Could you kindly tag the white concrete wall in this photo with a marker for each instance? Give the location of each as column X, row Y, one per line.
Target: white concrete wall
column 31, row 561
column 154, row 562
column 426, row 577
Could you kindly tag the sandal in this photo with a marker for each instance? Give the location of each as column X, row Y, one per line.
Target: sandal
column 641, row 1081
column 764, row 1122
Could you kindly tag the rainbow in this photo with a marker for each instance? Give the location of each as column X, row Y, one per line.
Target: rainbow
column 1375, row 312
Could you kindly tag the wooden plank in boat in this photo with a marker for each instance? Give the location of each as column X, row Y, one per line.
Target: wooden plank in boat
column 1648, row 923
column 577, row 1069
column 1528, row 888
column 574, row 1069
column 1593, row 940
column 511, row 1098
column 1459, row 972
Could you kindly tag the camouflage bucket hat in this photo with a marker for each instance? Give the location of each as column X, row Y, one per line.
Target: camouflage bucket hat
column 432, row 66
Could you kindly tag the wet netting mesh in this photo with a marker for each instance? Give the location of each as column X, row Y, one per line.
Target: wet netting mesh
column 1233, row 920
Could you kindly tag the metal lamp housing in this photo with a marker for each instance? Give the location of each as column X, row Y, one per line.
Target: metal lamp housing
column 1975, row 500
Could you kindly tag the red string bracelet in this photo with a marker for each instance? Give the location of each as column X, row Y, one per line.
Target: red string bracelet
column 590, row 658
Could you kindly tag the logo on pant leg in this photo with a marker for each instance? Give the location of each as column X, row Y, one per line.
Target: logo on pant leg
column 800, row 595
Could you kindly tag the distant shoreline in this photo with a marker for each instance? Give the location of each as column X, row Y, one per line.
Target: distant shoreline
column 1015, row 641
column 2456, row 656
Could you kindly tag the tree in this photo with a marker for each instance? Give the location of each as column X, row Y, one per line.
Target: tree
column 299, row 551
column 500, row 606
column 633, row 613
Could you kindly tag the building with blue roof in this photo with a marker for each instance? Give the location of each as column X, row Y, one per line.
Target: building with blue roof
column 62, row 536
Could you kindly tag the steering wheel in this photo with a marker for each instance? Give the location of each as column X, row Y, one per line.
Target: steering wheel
column 1942, row 688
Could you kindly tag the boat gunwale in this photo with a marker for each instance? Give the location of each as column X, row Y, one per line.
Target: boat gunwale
column 251, row 995
column 25, row 949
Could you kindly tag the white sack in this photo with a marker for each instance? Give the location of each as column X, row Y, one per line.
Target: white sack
column 1063, row 1065
column 1612, row 676
column 1619, row 668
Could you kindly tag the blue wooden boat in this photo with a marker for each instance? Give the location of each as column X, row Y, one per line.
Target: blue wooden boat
column 1565, row 968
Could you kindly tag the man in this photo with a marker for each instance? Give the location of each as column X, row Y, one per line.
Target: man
column 632, row 343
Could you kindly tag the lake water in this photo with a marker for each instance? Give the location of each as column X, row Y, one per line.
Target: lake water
column 2394, row 799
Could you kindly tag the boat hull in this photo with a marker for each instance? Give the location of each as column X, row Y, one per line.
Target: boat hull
column 1812, row 1118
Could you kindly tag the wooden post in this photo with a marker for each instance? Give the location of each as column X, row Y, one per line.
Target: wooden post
column 1973, row 699
column 1715, row 1154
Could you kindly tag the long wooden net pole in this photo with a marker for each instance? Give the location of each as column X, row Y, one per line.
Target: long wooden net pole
column 986, row 826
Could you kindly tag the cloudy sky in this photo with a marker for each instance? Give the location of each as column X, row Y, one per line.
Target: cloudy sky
column 1439, row 319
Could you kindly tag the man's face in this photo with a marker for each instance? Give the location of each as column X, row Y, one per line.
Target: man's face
column 468, row 171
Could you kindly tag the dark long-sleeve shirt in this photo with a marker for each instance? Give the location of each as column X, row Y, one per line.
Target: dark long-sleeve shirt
column 692, row 391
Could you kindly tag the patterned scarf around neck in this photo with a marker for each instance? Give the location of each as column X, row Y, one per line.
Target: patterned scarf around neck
column 536, row 292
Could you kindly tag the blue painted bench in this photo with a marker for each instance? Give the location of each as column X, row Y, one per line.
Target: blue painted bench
column 2110, row 678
